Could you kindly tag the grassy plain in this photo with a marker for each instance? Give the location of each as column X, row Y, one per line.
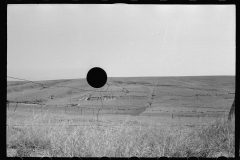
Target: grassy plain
column 187, row 117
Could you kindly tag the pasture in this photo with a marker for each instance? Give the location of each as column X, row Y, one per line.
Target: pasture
column 136, row 116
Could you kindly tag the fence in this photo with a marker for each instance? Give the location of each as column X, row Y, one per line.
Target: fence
column 116, row 110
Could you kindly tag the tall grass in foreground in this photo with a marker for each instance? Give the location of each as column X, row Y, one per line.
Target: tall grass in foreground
column 122, row 140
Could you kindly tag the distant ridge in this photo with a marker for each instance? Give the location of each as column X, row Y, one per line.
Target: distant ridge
column 127, row 77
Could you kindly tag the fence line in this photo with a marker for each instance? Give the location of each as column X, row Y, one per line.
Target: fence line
column 187, row 125
column 174, row 114
column 102, row 108
column 125, row 91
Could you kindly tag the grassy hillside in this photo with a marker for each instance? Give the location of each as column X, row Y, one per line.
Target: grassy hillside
column 166, row 116
column 178, row 93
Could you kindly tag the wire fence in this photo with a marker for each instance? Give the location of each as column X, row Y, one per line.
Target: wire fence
column 132, row 109
column 82, row 125
column 42, row 106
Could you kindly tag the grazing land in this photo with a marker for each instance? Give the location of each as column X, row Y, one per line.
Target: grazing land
column 136, row 116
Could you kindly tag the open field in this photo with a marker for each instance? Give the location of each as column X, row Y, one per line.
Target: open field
column 166, row 116
column 60, row 135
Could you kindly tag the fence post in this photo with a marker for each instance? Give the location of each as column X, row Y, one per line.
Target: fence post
column 41, row 108
column 93, row 111
column 97, row 114
column 16, row 107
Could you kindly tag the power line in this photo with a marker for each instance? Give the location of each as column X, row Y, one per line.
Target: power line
column 25, row 80
column 91, row 91
column 49, row 85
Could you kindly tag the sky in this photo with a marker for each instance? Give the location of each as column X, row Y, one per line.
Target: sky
column 64, row 41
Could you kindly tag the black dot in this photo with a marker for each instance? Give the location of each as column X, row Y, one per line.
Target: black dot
column 96, row 77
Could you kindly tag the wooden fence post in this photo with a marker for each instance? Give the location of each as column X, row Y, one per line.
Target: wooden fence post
column 97, row 114
column 16, row 107
column 41, row 108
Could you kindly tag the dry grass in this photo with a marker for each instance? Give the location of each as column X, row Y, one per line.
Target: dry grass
column 121, row 140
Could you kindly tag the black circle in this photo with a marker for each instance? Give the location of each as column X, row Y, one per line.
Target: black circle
column 96, row 77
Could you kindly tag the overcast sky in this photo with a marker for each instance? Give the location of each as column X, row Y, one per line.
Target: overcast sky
column 46, row 42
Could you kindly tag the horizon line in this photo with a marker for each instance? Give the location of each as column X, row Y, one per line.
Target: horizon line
column 130, row 77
